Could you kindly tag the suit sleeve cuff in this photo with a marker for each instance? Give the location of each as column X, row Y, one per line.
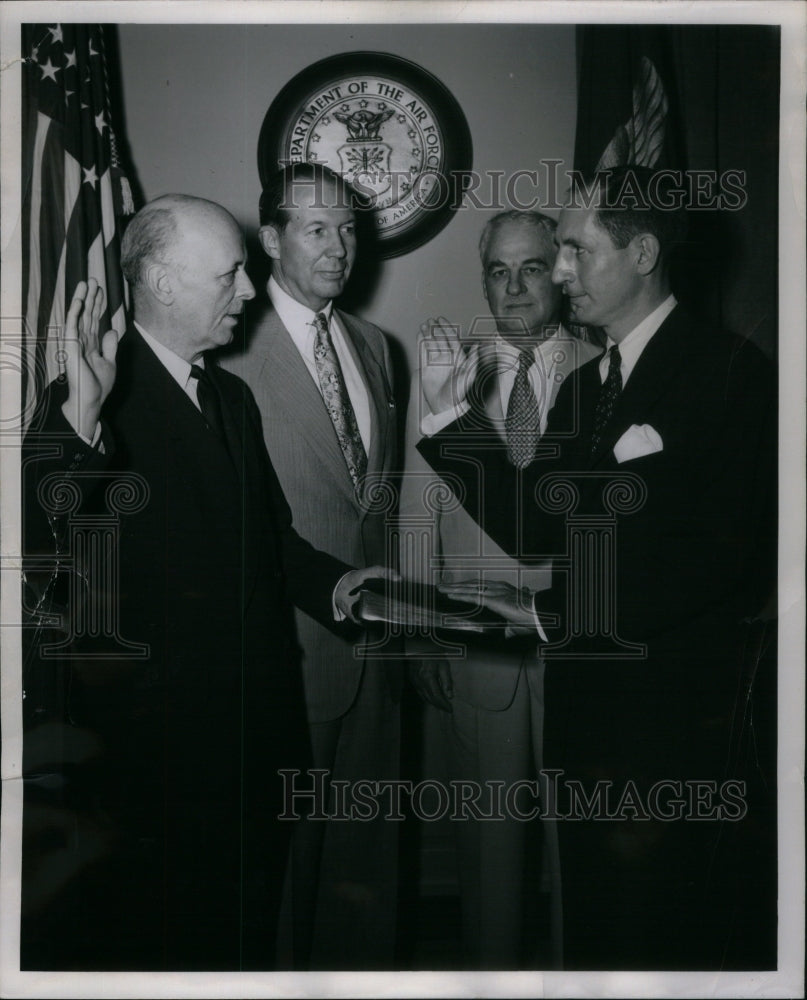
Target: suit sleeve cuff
column 338, row 616
column 95, row 440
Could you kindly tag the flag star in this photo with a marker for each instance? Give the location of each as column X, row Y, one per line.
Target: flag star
column 90, row 176
column 67, row 95
column 56, row 33
column 71, row 59
column 92, row 50
column 100, row 124
column 49, row 70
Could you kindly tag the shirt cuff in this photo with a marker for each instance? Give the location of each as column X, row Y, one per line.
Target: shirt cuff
column 93, row 442
column 541, row 632
column 511, row 631
column 433, row 423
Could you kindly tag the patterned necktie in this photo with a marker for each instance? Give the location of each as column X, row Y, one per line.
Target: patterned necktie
column 337, row 400
column 609, row 394
column 209, row 402
column 522, row 424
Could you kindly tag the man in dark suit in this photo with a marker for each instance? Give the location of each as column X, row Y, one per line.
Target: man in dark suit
column 323, row 383
column 655, row 496
column 188, row 691
column 491, row 700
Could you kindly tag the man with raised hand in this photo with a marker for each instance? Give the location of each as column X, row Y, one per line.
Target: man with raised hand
column 501, row 383
column 189, row 688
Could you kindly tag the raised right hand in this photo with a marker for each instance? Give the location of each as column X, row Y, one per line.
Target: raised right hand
column 447, row 366
column 89, row 359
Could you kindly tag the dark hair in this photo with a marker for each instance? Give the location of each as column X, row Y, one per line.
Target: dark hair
column 277, row 197
column 631, row 200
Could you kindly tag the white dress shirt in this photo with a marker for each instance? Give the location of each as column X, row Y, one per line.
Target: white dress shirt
column 631, row 347
column 299, row 321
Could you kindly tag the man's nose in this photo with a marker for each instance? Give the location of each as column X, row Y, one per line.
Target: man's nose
column 515, row 284
column 562, row 271
column 336, row 246
column 246, row 290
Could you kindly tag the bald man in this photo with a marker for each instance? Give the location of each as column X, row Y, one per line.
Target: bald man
column 176, row 851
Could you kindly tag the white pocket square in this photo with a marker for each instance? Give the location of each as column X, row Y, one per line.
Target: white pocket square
column 638, row 440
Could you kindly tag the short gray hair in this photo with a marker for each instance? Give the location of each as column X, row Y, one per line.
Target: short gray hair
column 537, row 220
column 153, row 232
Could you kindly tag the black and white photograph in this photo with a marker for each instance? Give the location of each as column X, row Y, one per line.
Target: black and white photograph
column 402, row 412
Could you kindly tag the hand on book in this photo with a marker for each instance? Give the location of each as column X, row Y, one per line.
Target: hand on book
column 513, row 604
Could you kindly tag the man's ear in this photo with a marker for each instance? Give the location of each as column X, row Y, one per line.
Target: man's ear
column 270, row 241
column 160, row 283
column 648, row 251
column 484, row 287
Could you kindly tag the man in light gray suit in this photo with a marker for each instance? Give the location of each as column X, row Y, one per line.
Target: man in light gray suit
column 323, row 383
column 506, row 377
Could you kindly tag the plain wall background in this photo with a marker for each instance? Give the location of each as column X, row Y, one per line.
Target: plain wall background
column 194, row 99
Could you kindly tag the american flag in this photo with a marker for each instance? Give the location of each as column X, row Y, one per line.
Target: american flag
column 74, row 191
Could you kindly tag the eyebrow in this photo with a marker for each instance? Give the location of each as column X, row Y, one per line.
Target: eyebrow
column 241, row 262
column 529, row 260
column 324, row 221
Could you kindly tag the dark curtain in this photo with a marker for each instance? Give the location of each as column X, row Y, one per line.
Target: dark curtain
column 722, row 87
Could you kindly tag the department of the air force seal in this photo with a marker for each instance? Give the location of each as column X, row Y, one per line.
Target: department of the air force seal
column 389, row 127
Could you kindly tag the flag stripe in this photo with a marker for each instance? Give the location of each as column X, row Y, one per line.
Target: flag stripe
column 73, row 186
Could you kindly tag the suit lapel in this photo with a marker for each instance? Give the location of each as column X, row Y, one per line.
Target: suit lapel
column 657, row 366
column 159, row 410
column 289, row 382
column 379, row 392
column 232, row 422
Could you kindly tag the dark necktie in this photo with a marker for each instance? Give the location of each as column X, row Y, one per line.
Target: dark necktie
column 209, row 402
column 337, row 400
column 609, row 394
column 522, row 423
